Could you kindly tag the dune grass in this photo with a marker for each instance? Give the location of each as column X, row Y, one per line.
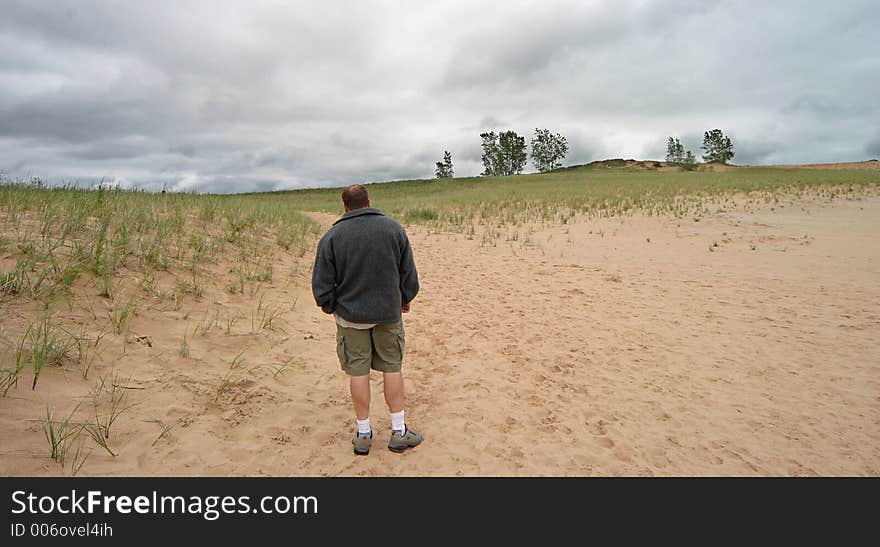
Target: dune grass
column 52, row 237
column 560, row 194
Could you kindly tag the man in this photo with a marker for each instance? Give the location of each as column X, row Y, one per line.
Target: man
column 365, row 276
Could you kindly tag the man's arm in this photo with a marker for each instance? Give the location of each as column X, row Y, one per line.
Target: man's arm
column 409, row 277
column 324, row 277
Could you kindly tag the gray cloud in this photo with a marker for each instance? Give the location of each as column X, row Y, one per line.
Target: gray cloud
column 872, row 148
column 228, row 96
column 489, row 123
column 756, row 152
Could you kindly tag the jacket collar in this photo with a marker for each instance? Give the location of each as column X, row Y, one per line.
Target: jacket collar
column 358, row 212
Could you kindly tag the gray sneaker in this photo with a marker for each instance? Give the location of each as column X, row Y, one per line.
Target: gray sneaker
column 362, row 444
column 400, row 443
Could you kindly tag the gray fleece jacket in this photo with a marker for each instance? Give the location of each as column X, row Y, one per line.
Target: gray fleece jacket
column 364, row 268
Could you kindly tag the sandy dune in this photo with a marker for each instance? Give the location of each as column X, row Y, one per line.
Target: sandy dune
column 865, row 165
column 742, row 344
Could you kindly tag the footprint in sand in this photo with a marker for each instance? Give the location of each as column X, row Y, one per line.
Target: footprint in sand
column 597, row 428
column 509, row 424
column 605, row 442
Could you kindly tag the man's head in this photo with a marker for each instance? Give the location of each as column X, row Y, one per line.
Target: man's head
column 355, row 197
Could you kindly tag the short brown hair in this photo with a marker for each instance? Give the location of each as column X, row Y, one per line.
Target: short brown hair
column 355, row 197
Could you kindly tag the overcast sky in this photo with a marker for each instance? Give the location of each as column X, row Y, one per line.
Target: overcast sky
column 238, row 96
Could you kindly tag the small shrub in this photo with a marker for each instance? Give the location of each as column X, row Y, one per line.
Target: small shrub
column 420, row 215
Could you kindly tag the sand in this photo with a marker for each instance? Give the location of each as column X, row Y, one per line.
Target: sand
column 745, row 343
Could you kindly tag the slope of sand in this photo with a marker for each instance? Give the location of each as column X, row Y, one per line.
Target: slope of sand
column 745, row 343
column 864, row 165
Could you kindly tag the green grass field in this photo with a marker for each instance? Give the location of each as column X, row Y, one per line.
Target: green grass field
column 557, row 194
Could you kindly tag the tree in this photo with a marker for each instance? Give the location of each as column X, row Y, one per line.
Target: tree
column 689, row 162
column 718, row 147
column 444, row 168
column 674, row 151
column 548, row 150
column 503, row 154
column 676, row 155
column 512, row 150
column 490, row 153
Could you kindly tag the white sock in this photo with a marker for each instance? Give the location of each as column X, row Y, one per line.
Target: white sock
column 397, row 423
column 364, row 427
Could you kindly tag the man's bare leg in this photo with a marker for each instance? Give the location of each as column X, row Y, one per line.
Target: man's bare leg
column 402, row 437
column 394, row 391
column 360, row 395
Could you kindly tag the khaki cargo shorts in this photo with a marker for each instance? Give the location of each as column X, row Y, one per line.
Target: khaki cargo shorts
column 379, row 348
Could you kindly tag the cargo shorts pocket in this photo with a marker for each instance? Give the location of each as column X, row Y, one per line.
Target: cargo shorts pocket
column 401, row 341
column 388, row 345
column 340, row 348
